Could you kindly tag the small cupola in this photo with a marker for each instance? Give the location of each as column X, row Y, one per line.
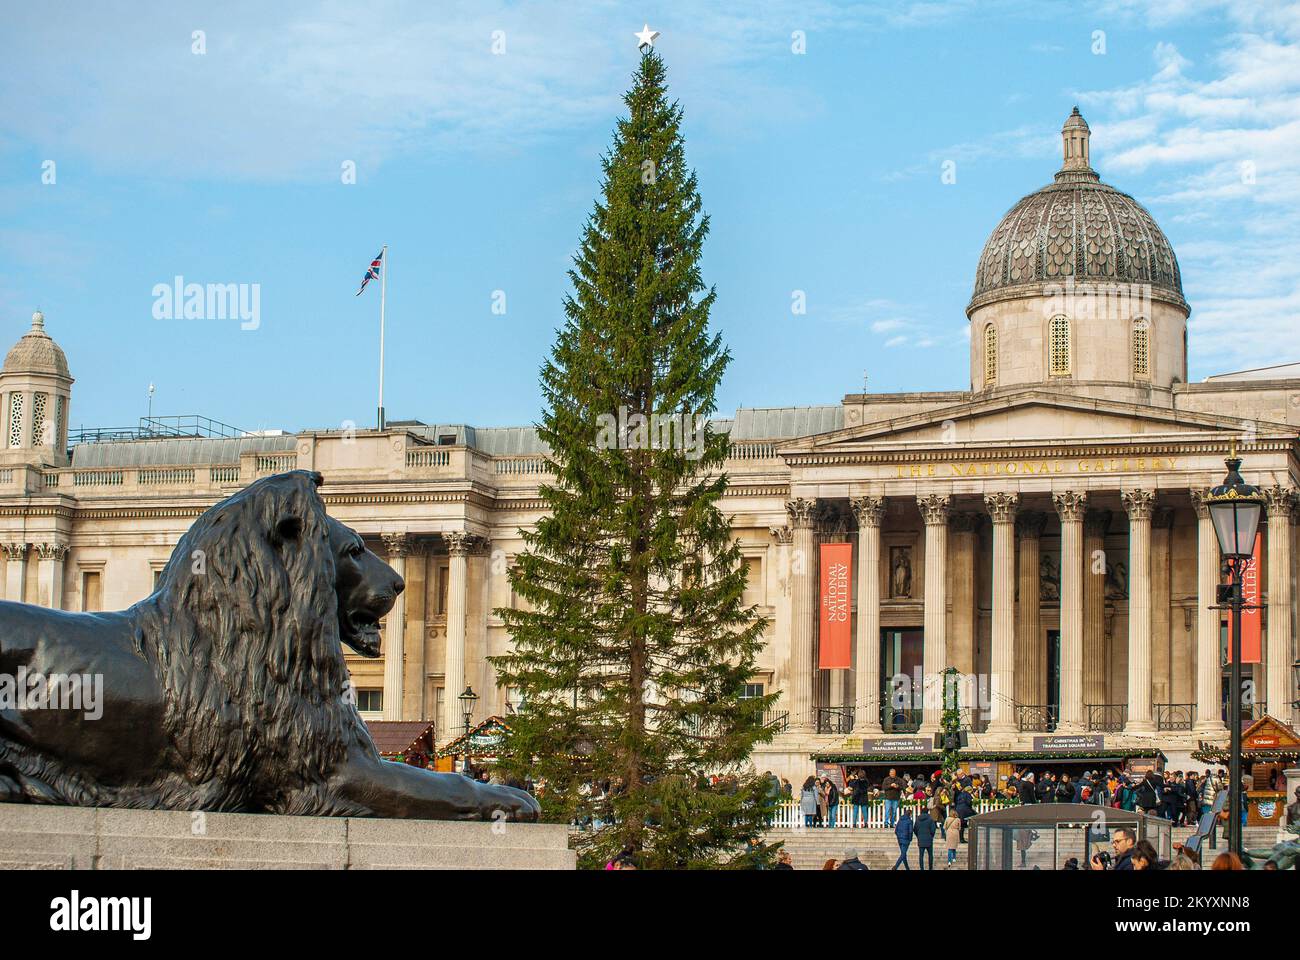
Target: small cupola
column 35, row 391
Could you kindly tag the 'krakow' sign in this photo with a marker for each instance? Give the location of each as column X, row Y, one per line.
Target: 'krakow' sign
column 1028, row 468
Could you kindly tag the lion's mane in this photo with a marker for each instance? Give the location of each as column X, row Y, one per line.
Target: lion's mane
column 243, row 632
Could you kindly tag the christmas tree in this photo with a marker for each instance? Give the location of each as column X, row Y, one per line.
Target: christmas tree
column 633, row 645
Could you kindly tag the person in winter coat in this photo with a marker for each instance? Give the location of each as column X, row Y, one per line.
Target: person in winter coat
column 892, row 787
column 904, row 834
column 832, row 801
column 1025, row 789
column 1046, row 789
column 1064, row 789
column 860, row 797
column 851, row 861
column 964, row 808
column 924, row 832
column 952, row 827
column 808, row 801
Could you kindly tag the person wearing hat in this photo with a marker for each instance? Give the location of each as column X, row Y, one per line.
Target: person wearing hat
column 851, row 861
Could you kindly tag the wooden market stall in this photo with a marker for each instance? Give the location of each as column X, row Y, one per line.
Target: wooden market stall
column 1268, row 747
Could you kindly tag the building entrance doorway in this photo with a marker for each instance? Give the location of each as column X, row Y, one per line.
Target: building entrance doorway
column 900, row 678
column 1053, row 677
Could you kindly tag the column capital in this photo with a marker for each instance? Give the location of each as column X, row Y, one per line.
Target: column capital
column 397, row 544
column 868, row 510
column 459, row 543
column 1002, row 506
column 802, row 512
column 52, row 551
column 15, row 550
column 1281, row 501
column 934, row 508
column 782, row 535
column 1030, row 523
column 1070, row 504
column 1200, row 498
column 1139, row 503
column 965, row 521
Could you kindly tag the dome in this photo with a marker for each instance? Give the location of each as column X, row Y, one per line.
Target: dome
column 1076, row 228
column 35, row 352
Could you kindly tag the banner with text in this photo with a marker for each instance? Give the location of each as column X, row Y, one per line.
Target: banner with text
column 1251, row 645
column 836, row 621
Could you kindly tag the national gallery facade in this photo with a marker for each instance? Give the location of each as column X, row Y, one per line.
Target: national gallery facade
column 1043, row 531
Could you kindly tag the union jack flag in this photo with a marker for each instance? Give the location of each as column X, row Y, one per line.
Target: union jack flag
column 373, row 273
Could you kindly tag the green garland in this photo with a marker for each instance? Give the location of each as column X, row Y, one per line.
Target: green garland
column 950, row 723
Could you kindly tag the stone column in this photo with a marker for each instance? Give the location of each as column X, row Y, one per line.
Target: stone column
column 962, row 626
column 458, row 547
column 1095, row 523
column 803, row 518
column 784, row 537
column 395, row 633
column 1002, row 508
column 1031, row 645
column 416, row 575
column 15, row 571
column 50, row 584
column 1071, row 506
column 866, row 716
column 934, row 510
column 1139, row 504
column 1278, row 658
column 1209, row 668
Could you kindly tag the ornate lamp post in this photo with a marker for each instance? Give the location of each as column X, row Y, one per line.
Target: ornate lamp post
column 1235, row 508
column 467, row 701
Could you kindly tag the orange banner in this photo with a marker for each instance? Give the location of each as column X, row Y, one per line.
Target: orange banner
column 1251, row 645
column 836, row 618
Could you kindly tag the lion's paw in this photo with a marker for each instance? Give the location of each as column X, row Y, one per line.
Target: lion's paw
column 517, row 805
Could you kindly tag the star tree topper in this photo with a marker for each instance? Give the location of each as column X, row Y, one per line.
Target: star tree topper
column 647, row 37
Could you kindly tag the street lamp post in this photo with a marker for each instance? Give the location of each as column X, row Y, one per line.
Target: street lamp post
column 1235, row 508
column 467, row 701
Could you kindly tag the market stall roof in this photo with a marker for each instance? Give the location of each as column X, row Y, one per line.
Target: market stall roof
column 483, row 741
column 392, row 737
column 1268, row 738
column 1039, row 814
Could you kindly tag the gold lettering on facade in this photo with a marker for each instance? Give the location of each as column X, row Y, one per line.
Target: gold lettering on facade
column 998, row 468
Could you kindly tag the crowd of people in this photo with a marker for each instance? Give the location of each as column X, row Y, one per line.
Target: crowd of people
column 1174, row 795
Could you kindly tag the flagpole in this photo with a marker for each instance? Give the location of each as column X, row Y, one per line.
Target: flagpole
column 383, row 290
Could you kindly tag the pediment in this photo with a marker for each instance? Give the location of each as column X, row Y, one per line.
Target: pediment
column 1027, row 416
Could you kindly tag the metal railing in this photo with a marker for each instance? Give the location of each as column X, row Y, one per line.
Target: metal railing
column 1175, row 716
column 778, row 719
column 1107, row 717
column 836, row 720
column 1037, row 718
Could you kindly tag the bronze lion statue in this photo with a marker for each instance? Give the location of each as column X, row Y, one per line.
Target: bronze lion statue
column 226, row 690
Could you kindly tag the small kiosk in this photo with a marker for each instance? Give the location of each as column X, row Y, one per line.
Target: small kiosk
column 1046, row 836
column 1268, row 749
column 406, row 741
column 478, row 747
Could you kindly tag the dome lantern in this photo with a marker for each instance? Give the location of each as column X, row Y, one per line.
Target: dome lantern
column 35, row 393
column 1075, row 161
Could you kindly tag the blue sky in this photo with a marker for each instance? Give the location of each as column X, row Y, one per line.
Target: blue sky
column 821, row 173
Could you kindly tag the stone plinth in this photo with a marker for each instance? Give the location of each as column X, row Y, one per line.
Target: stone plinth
column 78, row 838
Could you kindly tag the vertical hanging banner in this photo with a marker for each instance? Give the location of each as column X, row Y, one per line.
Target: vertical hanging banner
column 836, row 626
column 1251, row 633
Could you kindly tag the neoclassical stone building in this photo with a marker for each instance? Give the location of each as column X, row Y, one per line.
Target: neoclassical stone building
column 1042, row 531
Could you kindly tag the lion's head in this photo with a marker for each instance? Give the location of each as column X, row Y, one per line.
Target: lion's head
column 246, row 627
column 366, row 588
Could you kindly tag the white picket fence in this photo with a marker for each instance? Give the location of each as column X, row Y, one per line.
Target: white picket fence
column 788, row 816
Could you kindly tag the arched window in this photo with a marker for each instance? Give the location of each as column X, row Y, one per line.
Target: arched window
column 1141, row 349
column 1058, row 346
column 990, row 354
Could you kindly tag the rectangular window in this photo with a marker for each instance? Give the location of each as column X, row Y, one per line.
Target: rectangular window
column 92, row 596
column 370, row 701
column 752, row 691
column 1059, row 347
